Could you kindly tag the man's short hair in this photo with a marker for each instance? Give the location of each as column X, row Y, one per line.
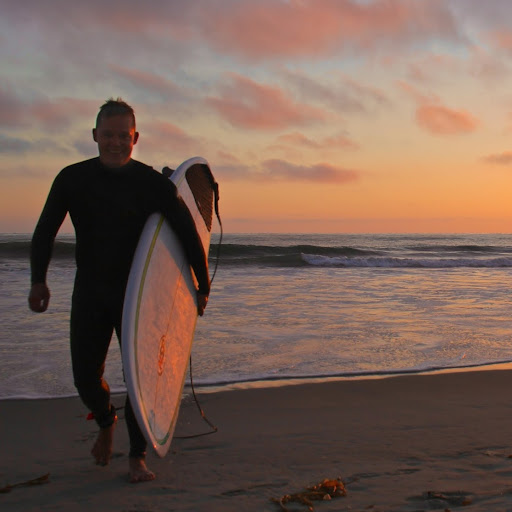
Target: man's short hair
column 114, row 107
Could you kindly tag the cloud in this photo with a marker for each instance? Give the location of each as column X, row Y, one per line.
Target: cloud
column 52, row 115
column 56, row 115
column 42, row 147
column 159, row 137
column 230, row 168
column 133, row 17
column 504, row 158
column 501, row 40
column 436, row 118
column 284, row 29
column 248, row 104
column 319, row 173
column 14, row 145
column 341, row 94
column 266, row 29
column 441, row 120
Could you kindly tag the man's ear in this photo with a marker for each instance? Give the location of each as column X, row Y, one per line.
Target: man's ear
column 135, row 137
column 94, row 135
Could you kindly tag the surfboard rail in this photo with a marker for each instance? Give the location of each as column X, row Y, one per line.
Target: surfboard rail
column 160, row 309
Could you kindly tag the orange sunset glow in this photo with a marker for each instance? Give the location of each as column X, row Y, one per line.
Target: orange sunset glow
column 316, row 116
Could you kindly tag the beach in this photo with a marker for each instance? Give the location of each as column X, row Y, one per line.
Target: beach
column 406, row 443
column 314, row 360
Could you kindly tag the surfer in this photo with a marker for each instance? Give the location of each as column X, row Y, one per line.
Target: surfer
column 109, row 199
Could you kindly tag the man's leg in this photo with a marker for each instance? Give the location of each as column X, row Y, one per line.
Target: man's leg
column 137, row 463
column 91, row 331
column 138, row 444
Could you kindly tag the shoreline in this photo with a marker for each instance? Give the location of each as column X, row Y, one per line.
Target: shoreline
column 278, row 382
column 406, row 443
column 294, row 381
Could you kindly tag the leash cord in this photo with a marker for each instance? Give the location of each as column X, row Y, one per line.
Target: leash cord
column 214, row 429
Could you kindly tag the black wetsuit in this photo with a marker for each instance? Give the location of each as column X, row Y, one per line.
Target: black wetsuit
column 108, row 208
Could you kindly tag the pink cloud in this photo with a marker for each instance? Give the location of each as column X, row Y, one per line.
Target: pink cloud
column 442, row 120
column 502, row 39
column 319, row 173
column 308, row 27
column 249, row 104
column 57, row 114
column 437, row 118
column 265, row 29
column 504, row 158
column 158, row 135
column 52, row 115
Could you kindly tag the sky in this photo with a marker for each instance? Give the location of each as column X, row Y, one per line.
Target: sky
column 316, row 116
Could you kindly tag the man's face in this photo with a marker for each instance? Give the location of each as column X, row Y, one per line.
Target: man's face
column 116, row 137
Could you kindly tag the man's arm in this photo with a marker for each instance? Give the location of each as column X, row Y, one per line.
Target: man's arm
column 178, row 215
column 187, row 231
column 51, row 219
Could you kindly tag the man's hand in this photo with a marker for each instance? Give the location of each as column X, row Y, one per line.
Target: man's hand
column 39, row 297
column 202, row 300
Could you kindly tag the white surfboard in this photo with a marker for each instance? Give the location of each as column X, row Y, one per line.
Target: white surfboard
column 160, row 310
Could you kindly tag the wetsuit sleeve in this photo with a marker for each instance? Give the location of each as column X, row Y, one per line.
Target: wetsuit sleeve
column 179, row 217
column 52, row 216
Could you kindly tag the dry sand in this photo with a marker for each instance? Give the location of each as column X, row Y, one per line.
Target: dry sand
column 392, row 441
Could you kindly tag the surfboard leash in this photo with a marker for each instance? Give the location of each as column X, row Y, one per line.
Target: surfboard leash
column 215, row 186
column 214, row 429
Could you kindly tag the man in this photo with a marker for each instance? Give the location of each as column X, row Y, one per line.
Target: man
column 108, row 199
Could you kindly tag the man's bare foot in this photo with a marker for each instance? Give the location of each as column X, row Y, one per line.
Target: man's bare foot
column 102, row 449
column 139, row 471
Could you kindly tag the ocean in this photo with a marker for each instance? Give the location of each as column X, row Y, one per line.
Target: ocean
column 288, row 306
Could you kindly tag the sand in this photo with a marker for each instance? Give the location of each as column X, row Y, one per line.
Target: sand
column 407, row 443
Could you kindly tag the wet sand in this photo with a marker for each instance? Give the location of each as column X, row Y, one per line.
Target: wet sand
column 406, row 443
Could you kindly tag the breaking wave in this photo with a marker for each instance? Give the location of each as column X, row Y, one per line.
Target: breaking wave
column 430, row 255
